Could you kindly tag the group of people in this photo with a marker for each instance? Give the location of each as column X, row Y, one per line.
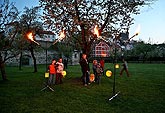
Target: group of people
column 98, row 69
column 55, row 70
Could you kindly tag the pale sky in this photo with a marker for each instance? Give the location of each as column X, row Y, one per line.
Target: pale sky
column 151, row 20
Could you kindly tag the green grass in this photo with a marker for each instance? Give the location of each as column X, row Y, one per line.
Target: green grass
column 143, row 92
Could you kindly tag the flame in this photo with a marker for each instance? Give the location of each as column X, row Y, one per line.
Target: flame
column 96, row 31
column 62, row 34
column 137, row 30
column 136, row 33
column 30, row 37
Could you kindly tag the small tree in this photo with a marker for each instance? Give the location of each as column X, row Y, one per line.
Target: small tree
column 8, row 32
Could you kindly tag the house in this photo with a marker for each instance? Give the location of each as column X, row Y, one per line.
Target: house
column 101, row 49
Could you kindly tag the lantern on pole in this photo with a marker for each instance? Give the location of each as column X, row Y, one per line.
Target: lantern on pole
column 117, row 66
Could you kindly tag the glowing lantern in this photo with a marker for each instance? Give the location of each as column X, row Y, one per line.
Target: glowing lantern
column 92, row 77
column 64, row 73
column 108, row 73
column 46, row 75
column 117, row 66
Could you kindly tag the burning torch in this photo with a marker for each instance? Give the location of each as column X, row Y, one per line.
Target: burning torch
column 31, row 38
column 62, row 36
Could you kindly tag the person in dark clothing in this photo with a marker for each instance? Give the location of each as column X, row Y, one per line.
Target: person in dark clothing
column 85, row 69
column 125, row 68
column 65, row 63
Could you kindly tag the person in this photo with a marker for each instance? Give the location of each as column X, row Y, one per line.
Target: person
column 85, row 69
column 59, row 68
column 65, row 63
column 125, row 68
column 52, row 72
column 99, row 72
column 102, row 64
column 94, row 66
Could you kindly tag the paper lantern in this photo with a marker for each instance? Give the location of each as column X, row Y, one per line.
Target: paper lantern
column 64, row 73
column 108, row 73
column 92, row 77
column 46, row 75
column 117, row 66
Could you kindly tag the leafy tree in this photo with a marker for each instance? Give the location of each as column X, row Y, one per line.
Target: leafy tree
column 8, row 32
column 79, row 17
column 29, row 22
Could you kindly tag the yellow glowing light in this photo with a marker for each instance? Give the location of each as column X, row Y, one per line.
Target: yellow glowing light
column 108, row 73
column 46, row 75
column 117, row 66
column 64, row 73
column 92, row 77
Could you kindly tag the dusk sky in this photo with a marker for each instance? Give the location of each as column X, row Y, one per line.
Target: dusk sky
column 151, row 20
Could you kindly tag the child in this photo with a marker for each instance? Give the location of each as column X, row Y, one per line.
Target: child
column 99, row 71
column 60, row 68
column 52, row 72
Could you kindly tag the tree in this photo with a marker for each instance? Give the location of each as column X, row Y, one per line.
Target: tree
column 8, row 32
column 81, row 16
column 29, row 22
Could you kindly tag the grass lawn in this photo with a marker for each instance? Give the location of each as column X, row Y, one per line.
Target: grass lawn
column 142, row 92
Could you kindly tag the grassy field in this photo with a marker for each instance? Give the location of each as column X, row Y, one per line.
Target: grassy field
column 143, row 92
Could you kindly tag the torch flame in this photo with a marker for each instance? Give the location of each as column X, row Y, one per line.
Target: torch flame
column 137, row 30
column 96, row 31
column 30, row 37
column 62, row 34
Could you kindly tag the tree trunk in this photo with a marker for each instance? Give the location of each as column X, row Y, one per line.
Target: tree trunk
column 2, row 67
column 20, row 62
column 34, row 59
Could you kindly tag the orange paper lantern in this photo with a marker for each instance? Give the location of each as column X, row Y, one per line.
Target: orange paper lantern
column 92, row 77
